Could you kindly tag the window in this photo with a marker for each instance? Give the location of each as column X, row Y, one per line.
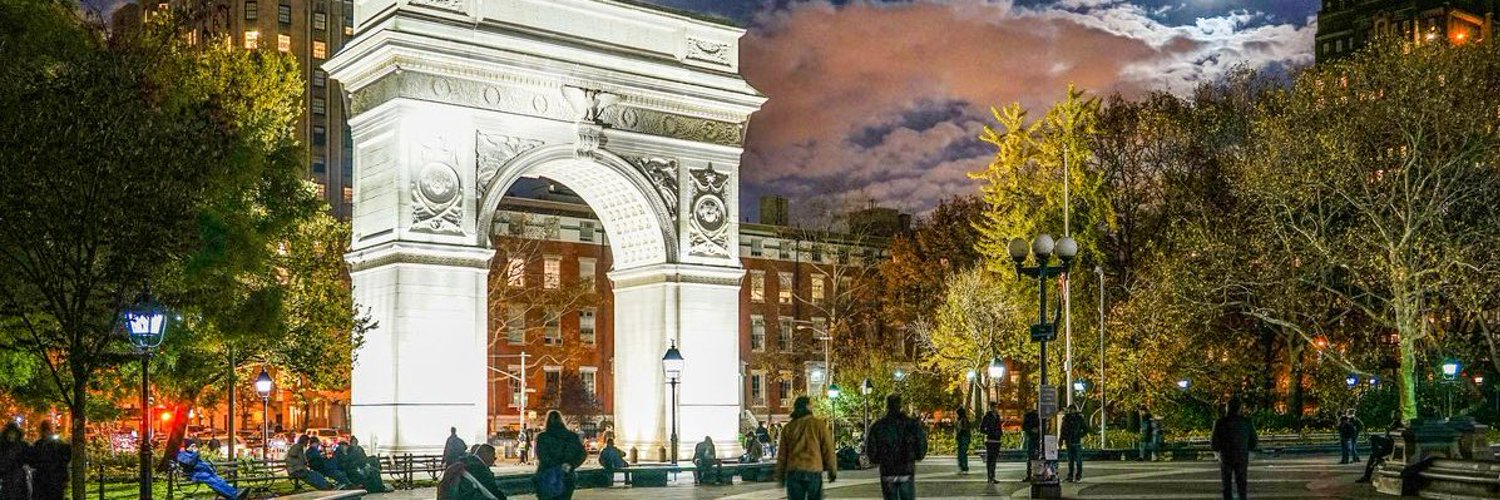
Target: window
column 817, row 289
column 784, row 288
column 815, row 377
column 320, row 21
column 515, row 272
column 252, row 39
column 552, row 329
column 515, row 385
column 348, row 194
column 319, row 106
column 348, row 25
column 515, row 326
column 284, row 14
column 757, row 248
column 586, row 272
column 320, row 135
column 252, row 11
column 320, row 189
column 757, row 333
column 553, row 379
column 817, row 253
column 552, row 272
column 757, row 286
column 758, row 388
column 284, row 43
column 320, row 78
column 319, row 167
column 590, row 376
column 586, row 231
column 320, row 49
column 586, row 325
column 784, row 389
column 784, row 331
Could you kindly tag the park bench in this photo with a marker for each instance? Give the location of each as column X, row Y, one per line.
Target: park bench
column 239, row 474
column 407, row 468
column 751, row 472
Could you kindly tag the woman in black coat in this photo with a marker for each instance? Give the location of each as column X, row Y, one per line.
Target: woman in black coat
column 13, row 454
column 559, row 447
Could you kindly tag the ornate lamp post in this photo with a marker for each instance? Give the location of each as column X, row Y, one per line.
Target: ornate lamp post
column 833, row 397
column 672, row 363
column 866, row 389
column 1041, row 250
column 263, row 385
column 996, row 371
column 1450, row 373
column 145, row 323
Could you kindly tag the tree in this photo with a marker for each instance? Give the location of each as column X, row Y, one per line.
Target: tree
column 915, row 275
column 1377, row 173
column 979, row 319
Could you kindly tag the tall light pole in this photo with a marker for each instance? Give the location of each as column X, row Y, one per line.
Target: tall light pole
column 833, row 399
column 145, row 323
column 1103, row 412
column 672, row 364
column 1041, row 249
column 867, row 388
column 263, row 385
column 973, row 397
column 1067, row 283
column 996, row 371
column 1450, row 373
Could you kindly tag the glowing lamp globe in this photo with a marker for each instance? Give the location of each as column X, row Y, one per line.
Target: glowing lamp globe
column 1183, row 384
column 996, row 369
column 263, row 384
column 834, row 391
column 145, row 322
column 900, row 374
column 970, row 375
column 1450, row 369
column 672, row 362
column 1067, row 248
column 1351, row 381
column 1018, row 249
column 1042, row 246
column 1079, row 386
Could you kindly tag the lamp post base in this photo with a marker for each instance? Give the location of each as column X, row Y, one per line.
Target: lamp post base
column 1044, row 483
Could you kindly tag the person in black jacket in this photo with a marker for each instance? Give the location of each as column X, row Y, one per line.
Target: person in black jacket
column 896, row 443
column 1031, row 424
column 49, row 461
column 558, row 447
column 455, row 449
column 1234, row 438
column 1073, row 430
column 962, row 434
column 319, row 462
column 1382, row 445
column 13, row 453
column 990, row 427
column 1349, row 429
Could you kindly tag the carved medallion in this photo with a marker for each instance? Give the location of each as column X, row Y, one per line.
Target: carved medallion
column 708, row 51
column 708, row 234
column 437, row 192
column 493, row 152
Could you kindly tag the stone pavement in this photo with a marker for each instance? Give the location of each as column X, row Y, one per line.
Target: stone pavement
column 937, row 478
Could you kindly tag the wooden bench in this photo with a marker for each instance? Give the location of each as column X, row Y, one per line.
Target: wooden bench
column 238, row 474
column 407, row 468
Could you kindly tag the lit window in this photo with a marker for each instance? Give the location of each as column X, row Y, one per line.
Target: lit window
column 586, row 272
column 320, row 21
column 817, row 289
column 515, row 386
column 319, row 78
column 758, row 388
column 284, row 43
column 515, row 272
column 552, row 329
column 784, row 331
column 552, row 382
column 590, row 377
column 348, row 194
column 319, row 106
column 784, row 288
column 552, row 273
column 252, row 11
column 784, row 391
column 515, row 326
column 586, row 324
column 585, row 231
column 320, row 49
column 757, row 333
column 252, row 40
column 817, row 253
column 320, row 189
column 284, row 14
column 757, row 286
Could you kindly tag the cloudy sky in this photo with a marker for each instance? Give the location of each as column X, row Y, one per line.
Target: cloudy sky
column 885, row 98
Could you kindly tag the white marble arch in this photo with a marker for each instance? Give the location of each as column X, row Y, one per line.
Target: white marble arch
column 641, row 112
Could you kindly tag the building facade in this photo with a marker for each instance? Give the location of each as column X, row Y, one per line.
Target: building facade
column 1348, row 25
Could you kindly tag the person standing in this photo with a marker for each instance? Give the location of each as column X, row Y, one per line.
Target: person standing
column 1031, row 426
column 763, row 436
column 523, row 442
column 1073, row 431
column 454, row 449
column 1234, row 438
column 559, row 451
column 896, row 443
column 805, row 453
column 1349, row 429
column 962, row 434
column 49, row 461
column 990, row 427
column 13, row 454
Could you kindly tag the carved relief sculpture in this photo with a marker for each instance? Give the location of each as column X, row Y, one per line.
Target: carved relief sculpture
column 708, row 51
column 437, row 191
column 493, row 152
column 708, row 234
column 662, row 172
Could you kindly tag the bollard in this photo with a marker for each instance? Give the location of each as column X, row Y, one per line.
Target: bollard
column 634, row 455
column 661, row 454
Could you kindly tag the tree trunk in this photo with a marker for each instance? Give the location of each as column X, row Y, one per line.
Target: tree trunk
column 1406, row 379
column 78, row 467
column 175, row 436
column 1294, row 385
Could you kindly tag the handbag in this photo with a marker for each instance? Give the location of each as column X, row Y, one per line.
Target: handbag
column 551, row 483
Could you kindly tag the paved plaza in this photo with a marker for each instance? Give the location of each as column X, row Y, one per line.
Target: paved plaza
column 938, row 478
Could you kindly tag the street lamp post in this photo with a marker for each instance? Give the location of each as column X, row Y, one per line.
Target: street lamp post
column 672, row 364
column 1103, row 415
column 833, row 398
column 145, row 323
column 263, row 385
column 996, row 371
column 1450, row 373
column 867, row 388
column 1042, row 249
column 973, row 397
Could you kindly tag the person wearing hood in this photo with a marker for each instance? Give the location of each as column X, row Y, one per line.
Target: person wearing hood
column 805, row 453
column 470, row 477
column 202, row 472
column 896, row 443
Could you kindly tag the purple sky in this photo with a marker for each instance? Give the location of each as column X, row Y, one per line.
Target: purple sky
column 884, row 99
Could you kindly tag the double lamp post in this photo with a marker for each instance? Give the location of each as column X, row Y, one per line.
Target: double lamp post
column 1041, row 249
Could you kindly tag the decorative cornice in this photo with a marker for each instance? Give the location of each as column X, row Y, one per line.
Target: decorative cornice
column 715, row 276
column 413, row 253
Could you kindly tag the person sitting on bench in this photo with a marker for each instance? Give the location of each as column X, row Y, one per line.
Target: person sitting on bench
column 202, row 472
column 707, row 460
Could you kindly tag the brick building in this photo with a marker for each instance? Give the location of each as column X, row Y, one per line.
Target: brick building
column 1347, row 25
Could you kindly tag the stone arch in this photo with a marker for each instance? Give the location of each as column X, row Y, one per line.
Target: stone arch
column 638, row 222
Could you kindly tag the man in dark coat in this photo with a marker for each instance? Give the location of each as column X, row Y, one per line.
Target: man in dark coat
column 1349, row 429
column 319, row 462
column 557, row 446
column 990, row 427
column 13, row 453
column 962, row 435
column 454, row 449
column 1234, row 438
column 705, row 458
column 1031, row 425
column 470, row 478
column 49, row 461
column 1074, row 428
column 1148, row 432
column 351, row 459
column 896, row 443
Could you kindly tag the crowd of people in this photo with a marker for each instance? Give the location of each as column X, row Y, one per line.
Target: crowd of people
column 33, row 470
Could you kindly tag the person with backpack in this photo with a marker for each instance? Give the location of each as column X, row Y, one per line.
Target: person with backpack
column 470, row 477
column 559, row 451
column 896, row 443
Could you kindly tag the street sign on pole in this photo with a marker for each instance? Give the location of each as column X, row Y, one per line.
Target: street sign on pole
column 1047, row 400
column 1043, row 332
